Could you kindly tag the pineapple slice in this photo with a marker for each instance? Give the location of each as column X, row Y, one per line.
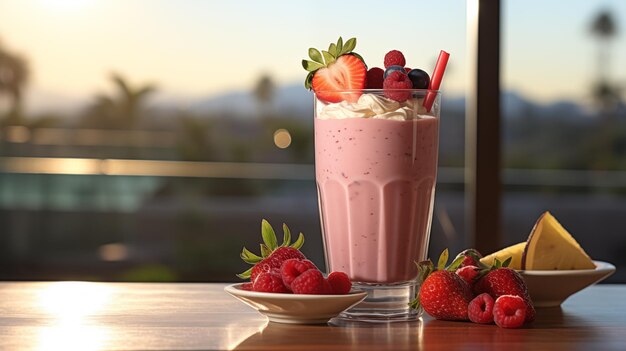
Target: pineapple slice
column 551, row 247
column 514, row 251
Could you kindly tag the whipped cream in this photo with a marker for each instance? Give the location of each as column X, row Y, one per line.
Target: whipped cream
column 373, row 106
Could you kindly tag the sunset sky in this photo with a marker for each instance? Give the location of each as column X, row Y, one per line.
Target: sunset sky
column 199, row 48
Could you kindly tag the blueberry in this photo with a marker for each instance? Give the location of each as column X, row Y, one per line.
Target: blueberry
column 420, row 79
column 393, row 68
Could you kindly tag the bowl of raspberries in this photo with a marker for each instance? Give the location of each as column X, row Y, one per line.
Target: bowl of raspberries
column 287, row 287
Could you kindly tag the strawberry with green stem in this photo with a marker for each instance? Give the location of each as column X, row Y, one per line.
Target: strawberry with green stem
column 272, row 255
column 442, row 294
column 334, row 70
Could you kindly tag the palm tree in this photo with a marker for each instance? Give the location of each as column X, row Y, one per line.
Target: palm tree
column 131, row 99
column 604, row 28
column 264, row 93
column 121, row 111
column 13, row 78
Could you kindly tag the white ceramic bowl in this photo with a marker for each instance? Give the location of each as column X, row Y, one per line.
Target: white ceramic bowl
column 551, row 288
column 295, row 308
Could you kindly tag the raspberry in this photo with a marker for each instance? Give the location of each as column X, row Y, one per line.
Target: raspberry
column 480, row 309
column 310, row 263
column 309, row 282
column 407, row 69
column 505, row 281
column 292, row 268
column 394, row 58
column 509, row 311
column 340, row 283
column 269, row 282
column 275, row 259
column 246, row 286
column 328, row 289
column 375, row 78
column 468, row 273
column 397, row 80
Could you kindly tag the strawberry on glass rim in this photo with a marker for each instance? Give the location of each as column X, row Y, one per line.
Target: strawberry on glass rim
column 335, row 70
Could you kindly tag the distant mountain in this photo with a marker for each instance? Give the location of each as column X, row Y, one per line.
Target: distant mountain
column 296, row 99
column 292, row 98
column 515, row 105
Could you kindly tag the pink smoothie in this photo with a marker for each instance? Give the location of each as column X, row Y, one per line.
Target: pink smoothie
column 376, row 185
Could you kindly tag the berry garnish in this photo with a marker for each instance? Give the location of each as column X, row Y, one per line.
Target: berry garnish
column 500, row 280
column 292, row 268
column 419, row 78
column 375, row 78
column 480, row 309
column 394, row 58
column 442, row 294
column 335, row 70
column 339, row 282
column 391, row 69
column 246, row 286
column 468, row 273
column 394, row 81
column 509, row 311
column 272, row 255
column 309, row 282
column 269, row 282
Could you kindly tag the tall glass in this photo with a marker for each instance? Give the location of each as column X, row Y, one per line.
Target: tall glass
column 376, row 169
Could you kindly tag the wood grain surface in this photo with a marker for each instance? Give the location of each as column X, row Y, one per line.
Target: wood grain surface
column 121, row 316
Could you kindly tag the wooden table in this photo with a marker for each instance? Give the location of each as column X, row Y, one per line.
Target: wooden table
column 119, row 316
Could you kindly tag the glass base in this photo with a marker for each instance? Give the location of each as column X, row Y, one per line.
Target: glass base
column 384, row 303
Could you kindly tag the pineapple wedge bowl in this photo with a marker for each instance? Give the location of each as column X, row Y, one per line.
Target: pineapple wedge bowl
column 552, row 263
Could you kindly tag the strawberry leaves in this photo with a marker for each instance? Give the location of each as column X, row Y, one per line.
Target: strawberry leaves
column 455, row 264
column 311, row 66
column 506, row 262
column 249, row 257
column 270, row 242
column 286, row 236
column 443, row 259
column 315, row 55
column 496, row 264
column 350, row 45
column 269, row 245
column 269, row 237
column 246, row 274
column 326, row 57
column 299, row 242
column 332, row 49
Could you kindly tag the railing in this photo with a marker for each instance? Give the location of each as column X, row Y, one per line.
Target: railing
column 283, row 171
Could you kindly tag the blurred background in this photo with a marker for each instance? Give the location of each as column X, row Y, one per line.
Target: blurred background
column 144, row 140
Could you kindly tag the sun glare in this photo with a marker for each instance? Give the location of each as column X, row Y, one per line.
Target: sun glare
column 72, row 338
column 73, row 301
column 66, row 5
column 71, row 306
